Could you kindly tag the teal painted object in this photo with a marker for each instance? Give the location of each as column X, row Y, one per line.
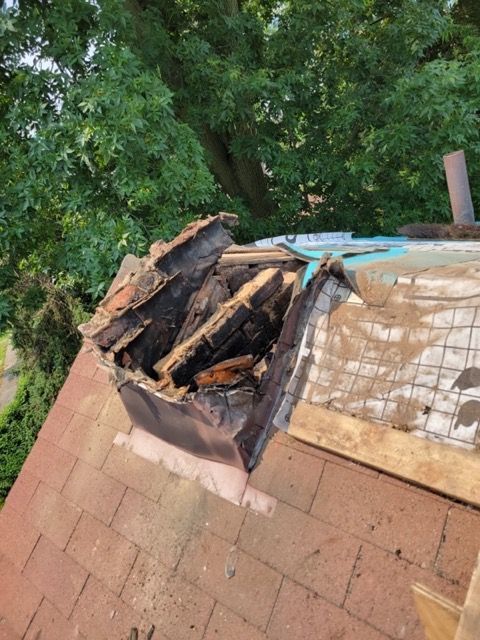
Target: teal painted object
column 375, row 256
column 353, row 261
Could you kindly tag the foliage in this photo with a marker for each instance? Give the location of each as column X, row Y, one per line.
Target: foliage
column 315, row 91
column 45, row 334
column 4, row 339
column 109, row 105
column 21, row 420
column 121, row 121
column 95, row 161
column 46, row 339
column 363, row 130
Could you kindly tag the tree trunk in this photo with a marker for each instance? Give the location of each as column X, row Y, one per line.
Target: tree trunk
column 239, row 176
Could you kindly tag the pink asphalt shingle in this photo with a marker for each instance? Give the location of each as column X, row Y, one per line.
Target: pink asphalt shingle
column 94, row 540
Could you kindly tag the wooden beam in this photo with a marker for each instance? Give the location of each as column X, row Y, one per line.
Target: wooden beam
column 233, row 259
column 438, row 615
column 224, row 335
column 469, row 625
column 447, row 469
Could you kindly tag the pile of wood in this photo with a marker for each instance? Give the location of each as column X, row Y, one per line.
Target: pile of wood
column 195, row 312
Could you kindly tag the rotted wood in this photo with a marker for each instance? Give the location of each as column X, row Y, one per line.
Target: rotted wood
column 205, row 302
column 221, row 337
column 164, row 312
column 236, row 276
column 147, row 309
column 226, row 372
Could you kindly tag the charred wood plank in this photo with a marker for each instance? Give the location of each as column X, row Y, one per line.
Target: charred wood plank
column 163, row 312
column 205, row 302
column 236, row 276
column 128, row 309
column 194, row 251
column 222, row 333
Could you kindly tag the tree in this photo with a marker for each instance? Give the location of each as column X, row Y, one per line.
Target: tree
column 123, row 119
column 211, row 54
column 94, row 161
column 312, row 92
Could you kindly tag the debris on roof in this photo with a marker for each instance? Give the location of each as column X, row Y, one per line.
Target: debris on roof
column 193, row 334
column 211, row 343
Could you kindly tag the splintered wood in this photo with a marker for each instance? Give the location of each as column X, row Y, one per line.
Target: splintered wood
column 245, row 324
column 190, row 333
column 192, row 304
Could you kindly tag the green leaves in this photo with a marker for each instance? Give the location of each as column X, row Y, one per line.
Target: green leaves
column 94, row 156
column 120, row 123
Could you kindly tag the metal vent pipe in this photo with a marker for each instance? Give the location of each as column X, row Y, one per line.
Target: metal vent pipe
column 459, row 188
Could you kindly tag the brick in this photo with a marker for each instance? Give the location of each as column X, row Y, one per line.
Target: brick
column 17, row 537
column 83, row 395
column 176, row 607
column 94, row 491
column 102, row 552
column 88, row 440
column 226, row 624
column 380, row 592
column 56, row 423
column 50, row 624
column 53, row 515
column 280, row 437
column 139, row 474
column 49, row 463
column 460, row 545
column 56, row 575
column 101, row 615
column 287, row 474
column 102, row 374
column 384, row 477
column 300, row 614
column 394, row 518
column 114, row 414
column 7, row 632
column 250, row 593
column 258, row 501
column 22, row 491
column 219, row 516
column 152, row 528
column 308, row 551
column 85, row 364
column 18, row 598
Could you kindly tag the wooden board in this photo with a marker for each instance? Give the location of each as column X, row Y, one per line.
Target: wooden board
column 254, row 258
column 469, row 625
column 447, row 469
column 438, row 615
